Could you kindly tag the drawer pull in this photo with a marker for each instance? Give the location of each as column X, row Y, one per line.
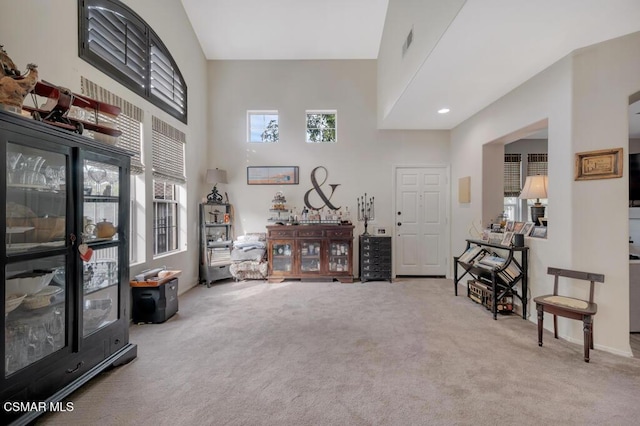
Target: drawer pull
column 73, row 370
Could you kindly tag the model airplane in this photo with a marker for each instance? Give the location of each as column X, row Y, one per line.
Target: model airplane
column 55, row 110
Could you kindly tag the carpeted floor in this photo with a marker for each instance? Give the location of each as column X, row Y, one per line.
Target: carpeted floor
column 407, row 353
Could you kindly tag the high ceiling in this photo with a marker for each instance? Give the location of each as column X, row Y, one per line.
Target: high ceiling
column 489, row 48
column 288, row 29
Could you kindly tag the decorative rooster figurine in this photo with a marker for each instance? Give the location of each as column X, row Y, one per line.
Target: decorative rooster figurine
column 13, row 86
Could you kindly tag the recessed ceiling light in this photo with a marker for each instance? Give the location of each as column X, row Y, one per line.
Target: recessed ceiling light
column 443, row 110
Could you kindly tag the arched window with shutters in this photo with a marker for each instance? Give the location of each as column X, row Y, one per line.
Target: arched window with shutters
column 114, row 39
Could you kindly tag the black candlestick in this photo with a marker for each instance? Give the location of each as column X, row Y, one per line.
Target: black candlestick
column 366, row 211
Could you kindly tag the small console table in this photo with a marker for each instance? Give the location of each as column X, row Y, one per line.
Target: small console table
column 496, row 267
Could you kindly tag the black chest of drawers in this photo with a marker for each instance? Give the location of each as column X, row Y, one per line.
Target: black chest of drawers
column 375, row 258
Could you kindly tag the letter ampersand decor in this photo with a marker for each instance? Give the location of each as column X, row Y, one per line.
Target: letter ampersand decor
column 321, row 194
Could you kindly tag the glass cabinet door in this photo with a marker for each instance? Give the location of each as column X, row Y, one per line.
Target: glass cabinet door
column 36, row 199
column 35, row 289
column 339, row 256
column 101, row 191
column 35, row 309
column 100, row 265
column 310, row 256
column 282, row 256
column 100, row 290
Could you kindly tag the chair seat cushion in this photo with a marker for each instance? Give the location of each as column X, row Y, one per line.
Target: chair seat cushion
column 566, row 301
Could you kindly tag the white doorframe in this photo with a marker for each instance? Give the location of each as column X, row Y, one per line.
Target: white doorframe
column 447, row 237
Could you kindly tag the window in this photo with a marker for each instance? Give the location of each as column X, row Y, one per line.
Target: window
column 512, row 184
column 129, row 122
column 114, row 39
column 262, row 126
column 165, row 217
column 537, row 164
column 168, row 175
column 321, row 126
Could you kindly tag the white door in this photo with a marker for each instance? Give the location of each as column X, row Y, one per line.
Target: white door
column 421, row 226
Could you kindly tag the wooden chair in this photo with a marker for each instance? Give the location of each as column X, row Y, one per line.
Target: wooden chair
column 569, row 307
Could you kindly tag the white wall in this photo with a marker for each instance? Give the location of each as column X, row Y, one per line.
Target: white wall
column 46, row 33
column 361, row 161
column 585, row 99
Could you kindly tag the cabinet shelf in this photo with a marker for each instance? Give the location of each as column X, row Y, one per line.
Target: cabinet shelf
column 101, row 199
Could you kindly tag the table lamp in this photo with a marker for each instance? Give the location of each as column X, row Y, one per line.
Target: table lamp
column 535, row 187
column 215, row 176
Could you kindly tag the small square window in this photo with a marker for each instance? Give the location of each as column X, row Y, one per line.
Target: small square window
column 321, row 126
column 262, row 126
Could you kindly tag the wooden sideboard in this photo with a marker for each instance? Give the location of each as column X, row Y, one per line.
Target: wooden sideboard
column 310, row 252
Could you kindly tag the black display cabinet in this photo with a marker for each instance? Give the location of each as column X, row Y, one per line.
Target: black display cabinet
column 65, row 305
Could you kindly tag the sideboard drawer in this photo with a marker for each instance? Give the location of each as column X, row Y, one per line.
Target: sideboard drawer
column 310, row 233
column 273, row 233
column 345, row 233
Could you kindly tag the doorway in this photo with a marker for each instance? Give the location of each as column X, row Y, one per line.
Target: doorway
column 421, row 220
column 634, row 224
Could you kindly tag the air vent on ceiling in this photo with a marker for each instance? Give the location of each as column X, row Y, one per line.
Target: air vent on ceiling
column 407, row 42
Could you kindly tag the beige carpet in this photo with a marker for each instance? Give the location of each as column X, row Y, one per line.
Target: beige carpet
column 407, row 353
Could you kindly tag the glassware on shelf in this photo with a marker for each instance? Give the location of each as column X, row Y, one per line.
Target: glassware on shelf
column 98, row 175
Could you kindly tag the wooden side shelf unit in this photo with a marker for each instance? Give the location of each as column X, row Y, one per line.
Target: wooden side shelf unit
column 496, row 267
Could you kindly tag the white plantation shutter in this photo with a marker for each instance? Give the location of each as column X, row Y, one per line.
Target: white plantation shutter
column 168, row 152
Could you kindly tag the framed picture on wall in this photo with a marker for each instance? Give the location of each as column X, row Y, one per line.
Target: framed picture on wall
column 272, row 175
column 601, row 164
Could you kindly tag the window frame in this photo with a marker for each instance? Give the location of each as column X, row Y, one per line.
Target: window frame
column 322, row 112
column 171, row 205
column 264, row 113
column 120, row 73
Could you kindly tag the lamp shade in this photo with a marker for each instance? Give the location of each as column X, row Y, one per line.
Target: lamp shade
column 534, row 187
column 216, row 176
